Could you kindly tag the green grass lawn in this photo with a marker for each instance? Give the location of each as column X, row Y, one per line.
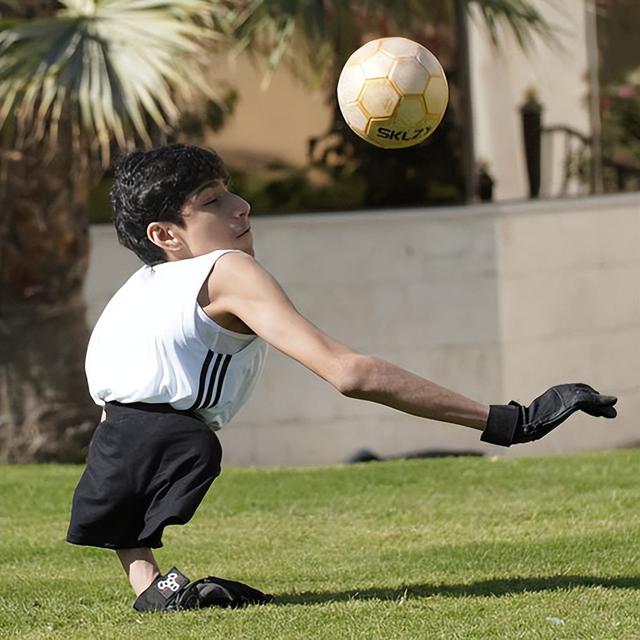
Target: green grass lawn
column 455, row 548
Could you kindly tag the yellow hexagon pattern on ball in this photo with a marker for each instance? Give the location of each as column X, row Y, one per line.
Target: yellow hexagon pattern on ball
column 409, row 125
column 411, row 113
column 379, row 98
column 354, row 115
column 393, row 92
column 436, row 95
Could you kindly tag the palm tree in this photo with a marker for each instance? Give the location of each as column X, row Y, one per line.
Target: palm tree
column 86, row 79
column 326, row 32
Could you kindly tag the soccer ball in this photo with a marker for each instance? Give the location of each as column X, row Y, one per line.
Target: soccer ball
column 393, row 92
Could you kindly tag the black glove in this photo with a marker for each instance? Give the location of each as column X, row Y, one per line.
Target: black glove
column 515, row 423
column 174, row 592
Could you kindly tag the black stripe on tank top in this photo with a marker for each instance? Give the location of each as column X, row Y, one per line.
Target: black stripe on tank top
column 212, row 382
column 203, row 380
column 223, row 373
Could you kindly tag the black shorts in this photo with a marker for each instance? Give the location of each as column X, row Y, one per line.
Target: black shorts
column 149, row 466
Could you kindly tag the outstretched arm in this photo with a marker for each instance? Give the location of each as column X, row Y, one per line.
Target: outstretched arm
column 385, row 383
column 241, row 287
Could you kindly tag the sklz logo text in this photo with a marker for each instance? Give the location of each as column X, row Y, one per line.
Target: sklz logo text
column 393, row 134
column 169, row 584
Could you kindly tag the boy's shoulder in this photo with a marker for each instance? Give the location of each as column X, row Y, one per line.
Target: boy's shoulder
column 235, row 266
column 235, row 276
column 237, row 273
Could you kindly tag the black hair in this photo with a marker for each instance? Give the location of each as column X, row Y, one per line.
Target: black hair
column 153, row 186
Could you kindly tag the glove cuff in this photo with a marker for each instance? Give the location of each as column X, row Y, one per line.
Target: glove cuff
column 160, row 596
column 502, row 424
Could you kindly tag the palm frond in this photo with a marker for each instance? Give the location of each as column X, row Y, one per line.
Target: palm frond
column 312, row 36
column 521, row 17
column 299, row 34
column 114, row 68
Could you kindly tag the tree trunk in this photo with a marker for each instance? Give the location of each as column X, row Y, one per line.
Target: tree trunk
column 46, row 413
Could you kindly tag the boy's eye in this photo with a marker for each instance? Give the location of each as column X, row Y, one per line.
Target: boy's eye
column 211, row 201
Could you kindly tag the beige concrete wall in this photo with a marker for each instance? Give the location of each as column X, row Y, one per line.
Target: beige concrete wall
column 398, row 284
column 496, row 301
column 570, row 308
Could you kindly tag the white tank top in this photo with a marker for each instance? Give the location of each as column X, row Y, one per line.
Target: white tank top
column 153, row 343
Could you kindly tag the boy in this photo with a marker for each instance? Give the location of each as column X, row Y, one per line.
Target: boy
column 178, row 350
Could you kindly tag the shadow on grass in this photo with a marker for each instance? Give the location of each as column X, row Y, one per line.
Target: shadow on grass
column 481, row 589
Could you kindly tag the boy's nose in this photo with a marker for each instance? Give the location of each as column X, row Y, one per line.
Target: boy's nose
column 243, row 208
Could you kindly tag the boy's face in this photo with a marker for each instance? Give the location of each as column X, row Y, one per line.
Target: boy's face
column 215, row 218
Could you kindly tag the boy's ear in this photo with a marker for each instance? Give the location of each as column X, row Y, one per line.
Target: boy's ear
column 163, row 236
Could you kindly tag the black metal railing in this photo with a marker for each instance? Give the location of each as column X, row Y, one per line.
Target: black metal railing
column 577, row 156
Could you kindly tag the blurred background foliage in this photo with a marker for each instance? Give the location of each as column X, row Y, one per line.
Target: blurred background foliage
column 620, row 106
column 620, row 94
column 313, row 39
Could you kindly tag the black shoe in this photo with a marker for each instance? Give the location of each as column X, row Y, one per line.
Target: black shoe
column 174, row 592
